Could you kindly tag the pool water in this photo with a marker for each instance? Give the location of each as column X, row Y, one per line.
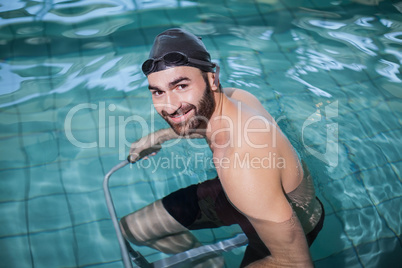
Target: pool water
column 72, row 99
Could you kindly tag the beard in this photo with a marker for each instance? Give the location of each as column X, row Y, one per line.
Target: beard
column 202, row 113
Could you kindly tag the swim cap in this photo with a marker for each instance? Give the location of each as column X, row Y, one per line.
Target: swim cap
column 176, row 47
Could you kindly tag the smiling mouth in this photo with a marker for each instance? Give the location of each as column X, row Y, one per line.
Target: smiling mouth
column 180, row 116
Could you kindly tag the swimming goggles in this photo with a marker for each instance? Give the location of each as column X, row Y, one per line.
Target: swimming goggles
column 173, row 59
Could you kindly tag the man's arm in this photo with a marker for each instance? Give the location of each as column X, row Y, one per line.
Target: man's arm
column 257, row 192
column 155, row 139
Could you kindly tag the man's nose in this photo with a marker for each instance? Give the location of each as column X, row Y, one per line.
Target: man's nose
column 172, row 103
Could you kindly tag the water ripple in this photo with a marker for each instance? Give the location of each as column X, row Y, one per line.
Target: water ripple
column 98, row 28
column 75, row 12
column 394, row 36
column 333, row 25
column 364, row 44
column 373, row 42
column 106, row 71
column 365, row 21
column 390, row 70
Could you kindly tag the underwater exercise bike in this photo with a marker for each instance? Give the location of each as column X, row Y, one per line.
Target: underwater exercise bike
column 130, row 256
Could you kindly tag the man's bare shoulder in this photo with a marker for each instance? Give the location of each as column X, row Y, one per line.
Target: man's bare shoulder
column 239, row 94
column 247, row 100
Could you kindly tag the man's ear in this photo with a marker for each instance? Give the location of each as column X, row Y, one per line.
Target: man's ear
column 213, row 81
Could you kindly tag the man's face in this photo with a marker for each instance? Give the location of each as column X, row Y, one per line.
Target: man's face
column 183, row 98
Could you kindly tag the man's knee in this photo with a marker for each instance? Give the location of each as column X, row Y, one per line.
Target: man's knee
column 149, row 223
column 125, row 229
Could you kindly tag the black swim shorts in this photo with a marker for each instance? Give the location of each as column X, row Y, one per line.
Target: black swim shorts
column 205, row 205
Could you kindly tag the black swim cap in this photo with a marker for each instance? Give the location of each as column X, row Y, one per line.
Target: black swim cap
column 176, row 47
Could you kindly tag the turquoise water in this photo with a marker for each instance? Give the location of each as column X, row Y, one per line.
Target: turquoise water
column 70, row 80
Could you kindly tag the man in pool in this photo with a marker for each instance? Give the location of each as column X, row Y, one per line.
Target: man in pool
column 275, row 205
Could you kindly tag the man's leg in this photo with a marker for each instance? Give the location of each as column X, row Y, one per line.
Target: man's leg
column 160, row 225
column 154, row 227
